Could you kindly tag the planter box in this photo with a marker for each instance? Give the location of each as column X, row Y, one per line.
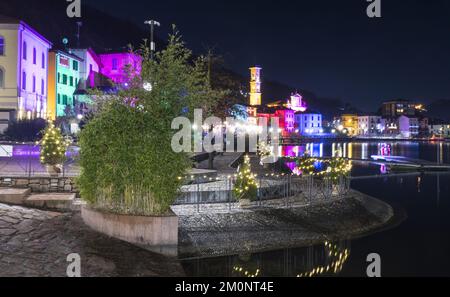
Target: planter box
column 155, row 233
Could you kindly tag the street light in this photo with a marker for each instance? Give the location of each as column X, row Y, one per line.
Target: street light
column 152, row 25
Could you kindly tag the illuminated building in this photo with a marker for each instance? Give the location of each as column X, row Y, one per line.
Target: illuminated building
column 441, row 130
column 401, row 107
column 255, row 86
column 349, row 124
column 408, row 126
column 121, row 68
column 23, row 72
column 296, row 103
column 286, row 120
column 63, row 79
column 309, row 123
column 369, row 125
column 89, row 67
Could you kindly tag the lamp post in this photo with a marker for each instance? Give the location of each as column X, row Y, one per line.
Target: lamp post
column 79, row 24
column 152, row 25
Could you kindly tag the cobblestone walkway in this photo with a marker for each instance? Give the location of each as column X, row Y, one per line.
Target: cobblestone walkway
column 36, row 243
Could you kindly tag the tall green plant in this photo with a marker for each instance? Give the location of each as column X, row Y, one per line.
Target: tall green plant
column 127, row 162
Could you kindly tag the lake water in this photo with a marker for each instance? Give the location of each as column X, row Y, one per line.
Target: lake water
column 418, row 244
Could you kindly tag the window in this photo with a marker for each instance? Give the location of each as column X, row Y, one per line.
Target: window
column 24, row 81
column 75, row 65
column 65, row 99
column 64, row 81
column 43, row 61
column 59, row 98
column 59, row 77
column 2, row 78
column 71, row 81
column 34, row 84
column 2, row 46
column 24, row 49
column 34, row 55
column 42, row 87
column 114, row 64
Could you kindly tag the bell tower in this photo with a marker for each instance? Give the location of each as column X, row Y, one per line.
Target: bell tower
column 255, row 86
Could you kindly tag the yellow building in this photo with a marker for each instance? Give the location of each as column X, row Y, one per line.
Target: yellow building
column 349, row 124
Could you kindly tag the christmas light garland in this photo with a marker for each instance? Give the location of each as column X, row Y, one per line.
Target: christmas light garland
column 332, row 168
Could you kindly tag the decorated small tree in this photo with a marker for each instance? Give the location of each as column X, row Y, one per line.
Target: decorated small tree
column 245, row 187
column 53, row 147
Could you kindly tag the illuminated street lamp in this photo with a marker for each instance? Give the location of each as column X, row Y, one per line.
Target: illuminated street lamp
column 152, row 25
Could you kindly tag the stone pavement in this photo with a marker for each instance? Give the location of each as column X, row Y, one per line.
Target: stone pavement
column 36, row 243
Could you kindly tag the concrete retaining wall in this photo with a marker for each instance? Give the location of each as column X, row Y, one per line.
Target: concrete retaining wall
column 156, row 233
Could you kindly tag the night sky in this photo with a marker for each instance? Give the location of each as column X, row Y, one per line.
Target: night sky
column 329, row 47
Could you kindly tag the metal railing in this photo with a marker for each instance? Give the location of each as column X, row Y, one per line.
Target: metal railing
column 279, row 191
column 22, row 160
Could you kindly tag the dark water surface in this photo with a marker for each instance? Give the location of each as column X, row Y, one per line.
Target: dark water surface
column 417, row 245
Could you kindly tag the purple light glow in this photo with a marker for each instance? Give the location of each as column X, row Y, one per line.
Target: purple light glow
column 34, row 151
column 115, row 65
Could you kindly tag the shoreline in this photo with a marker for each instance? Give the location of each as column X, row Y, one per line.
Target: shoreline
column 268, row 229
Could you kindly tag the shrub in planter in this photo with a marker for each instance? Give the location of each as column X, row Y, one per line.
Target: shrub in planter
column 127, row 163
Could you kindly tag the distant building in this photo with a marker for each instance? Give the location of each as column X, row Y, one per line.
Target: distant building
column 370, row 125
column 89, row 66
column 408, row 126
column 401, row 107
column 309, row 123
column 23, row 72
column 296, row 103
column 440, row 130
column 63, row 79
column 349, row 124
column 121, row 68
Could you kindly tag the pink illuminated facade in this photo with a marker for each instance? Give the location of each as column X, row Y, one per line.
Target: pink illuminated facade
column 121, row 68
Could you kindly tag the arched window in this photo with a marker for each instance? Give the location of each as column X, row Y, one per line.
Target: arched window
column 24, row 50
column 43, row 61
column 2, row 46
column 34, row 55
column 34, row 84
column 42, row 87
column 2, row 78
column 24, row 80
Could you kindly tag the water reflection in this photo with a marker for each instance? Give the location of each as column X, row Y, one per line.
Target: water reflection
column 429, row 151
column 326, row 259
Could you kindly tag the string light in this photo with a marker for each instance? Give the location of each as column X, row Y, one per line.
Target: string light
column 245, row 186
column 53, row 146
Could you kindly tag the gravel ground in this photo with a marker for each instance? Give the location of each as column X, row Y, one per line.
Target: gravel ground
column 216, row 233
